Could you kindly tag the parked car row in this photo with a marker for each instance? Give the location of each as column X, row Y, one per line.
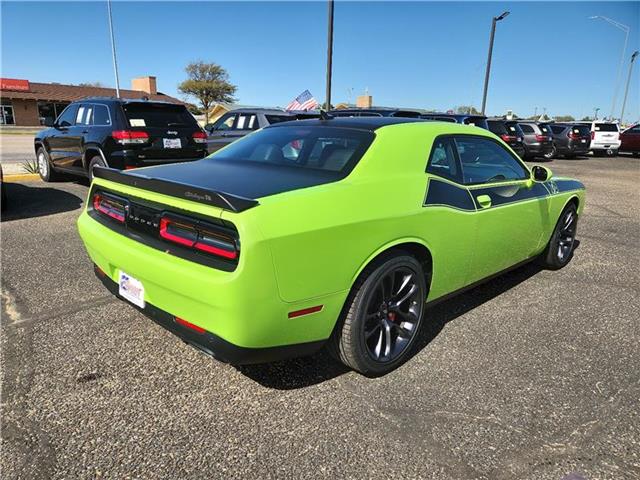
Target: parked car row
column 124, row 134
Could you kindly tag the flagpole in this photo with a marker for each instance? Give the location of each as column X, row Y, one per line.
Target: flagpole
column 329, row 54
column 113, row 50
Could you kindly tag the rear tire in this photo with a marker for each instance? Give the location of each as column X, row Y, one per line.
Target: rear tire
column 46, row 171
column 552, row 154
column 382, row 315
column 96, row 161
column 559, row 251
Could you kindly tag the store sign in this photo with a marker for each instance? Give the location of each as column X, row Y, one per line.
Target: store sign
column 14, row 84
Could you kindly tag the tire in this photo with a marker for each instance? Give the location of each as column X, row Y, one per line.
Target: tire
column 552, row 154
column 596, row 153
column 611, row 152
column 3, row 197
column 372, row 307
column 559, row 251
column 46, row 171
column 95, row 161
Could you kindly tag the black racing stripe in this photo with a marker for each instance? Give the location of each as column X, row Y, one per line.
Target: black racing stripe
column 505, row 194
column 445, row 194
column 564, row 185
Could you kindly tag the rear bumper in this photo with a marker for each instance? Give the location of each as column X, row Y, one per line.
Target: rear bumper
column 240, row 309
column 539, row 148
column 605, row 146
column 214, row 345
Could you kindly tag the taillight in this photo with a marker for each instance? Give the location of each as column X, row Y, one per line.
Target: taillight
column 574, row 136
column 109, row 207
column 593, row 135
column 200, row 137
column 542, row 138
column 130, row 137
column 504, row 137
column 184, row 323
column 199, row 236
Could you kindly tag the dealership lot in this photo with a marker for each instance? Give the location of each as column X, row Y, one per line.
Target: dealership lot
column 531, row 376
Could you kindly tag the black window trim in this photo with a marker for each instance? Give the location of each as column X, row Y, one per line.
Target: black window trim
column 71, row 105
column 459, row 162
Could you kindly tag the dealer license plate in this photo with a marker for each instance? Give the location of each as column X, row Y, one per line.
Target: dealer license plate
column 583, row 141
column 172, row 143
column 131, row 289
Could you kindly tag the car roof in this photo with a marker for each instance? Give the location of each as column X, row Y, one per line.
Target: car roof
column 362, row 123
column 274, row 111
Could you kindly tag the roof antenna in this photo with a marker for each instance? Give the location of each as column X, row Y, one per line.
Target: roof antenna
column 324, row 115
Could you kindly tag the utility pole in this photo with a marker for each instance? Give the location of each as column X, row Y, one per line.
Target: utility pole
column 488, row 71
column 596, row 115
column 329, row 54
column 113, row 50
column 626, row 90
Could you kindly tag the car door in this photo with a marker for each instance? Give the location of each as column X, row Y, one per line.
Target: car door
column 512, row 211
column 221, row 133
column 448, row 219
column 60, row 140
column 78, row 134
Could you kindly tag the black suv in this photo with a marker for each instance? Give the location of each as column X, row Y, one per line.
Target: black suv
column 117, row 133
column 499, row 127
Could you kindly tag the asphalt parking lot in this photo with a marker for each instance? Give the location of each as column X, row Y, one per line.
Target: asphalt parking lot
column 534, row 375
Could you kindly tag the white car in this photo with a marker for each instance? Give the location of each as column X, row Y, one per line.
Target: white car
column 605, row 138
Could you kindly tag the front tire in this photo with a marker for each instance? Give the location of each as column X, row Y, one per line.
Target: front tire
column 559, row 251
column 382, row 315
column 46, row 171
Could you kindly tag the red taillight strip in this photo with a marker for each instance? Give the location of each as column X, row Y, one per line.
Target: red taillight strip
column 108, row 209
column 199, row 137
column 216, row 251
column 164, row 233
column 305, row 311
column 184, row 323
column 200, row 240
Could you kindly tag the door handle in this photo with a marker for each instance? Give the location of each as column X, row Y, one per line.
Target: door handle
column 484, row 201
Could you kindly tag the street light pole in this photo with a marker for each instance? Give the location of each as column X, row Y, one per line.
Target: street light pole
column 488, row 71
column 626, row 30
column 113, row 50
column 329, row 54
column 626, row 90
column 596, row 111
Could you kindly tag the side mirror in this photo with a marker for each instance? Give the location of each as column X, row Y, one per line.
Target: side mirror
column 540, row 173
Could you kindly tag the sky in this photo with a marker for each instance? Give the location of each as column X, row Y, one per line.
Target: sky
column 415, row 54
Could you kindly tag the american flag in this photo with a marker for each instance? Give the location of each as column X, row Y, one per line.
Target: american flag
column 304, row 101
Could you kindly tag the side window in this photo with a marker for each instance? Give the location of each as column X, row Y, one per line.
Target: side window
column 247, row 121
column 557, row 129
column 484, row 160
column 635, row 129
column 68, row 116
column 101, row 115
column 226, row 122
column 84, row 116
column 527, row 129
column 442, row 161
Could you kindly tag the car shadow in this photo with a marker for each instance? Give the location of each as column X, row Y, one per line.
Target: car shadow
column 24, row 201
column 307, row 371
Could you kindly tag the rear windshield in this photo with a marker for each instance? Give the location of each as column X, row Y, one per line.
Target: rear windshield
column 497, row 127
column 320, row 148
column 472, row 120
column 583, row 130
column 279, row 118
column 545, row 129
column 605, row 127
column 158, row 115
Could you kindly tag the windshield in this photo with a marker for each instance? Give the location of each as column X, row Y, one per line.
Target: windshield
column 158, row 115
column 321, row 148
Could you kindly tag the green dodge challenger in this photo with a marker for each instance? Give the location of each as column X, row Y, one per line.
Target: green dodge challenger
column 329, row 232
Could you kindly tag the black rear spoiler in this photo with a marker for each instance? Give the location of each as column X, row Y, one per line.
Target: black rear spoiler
column 223, row 200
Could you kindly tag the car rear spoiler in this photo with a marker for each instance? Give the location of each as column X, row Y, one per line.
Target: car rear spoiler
column 185, row 191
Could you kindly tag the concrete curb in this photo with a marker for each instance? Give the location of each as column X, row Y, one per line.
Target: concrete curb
column 21, row 177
